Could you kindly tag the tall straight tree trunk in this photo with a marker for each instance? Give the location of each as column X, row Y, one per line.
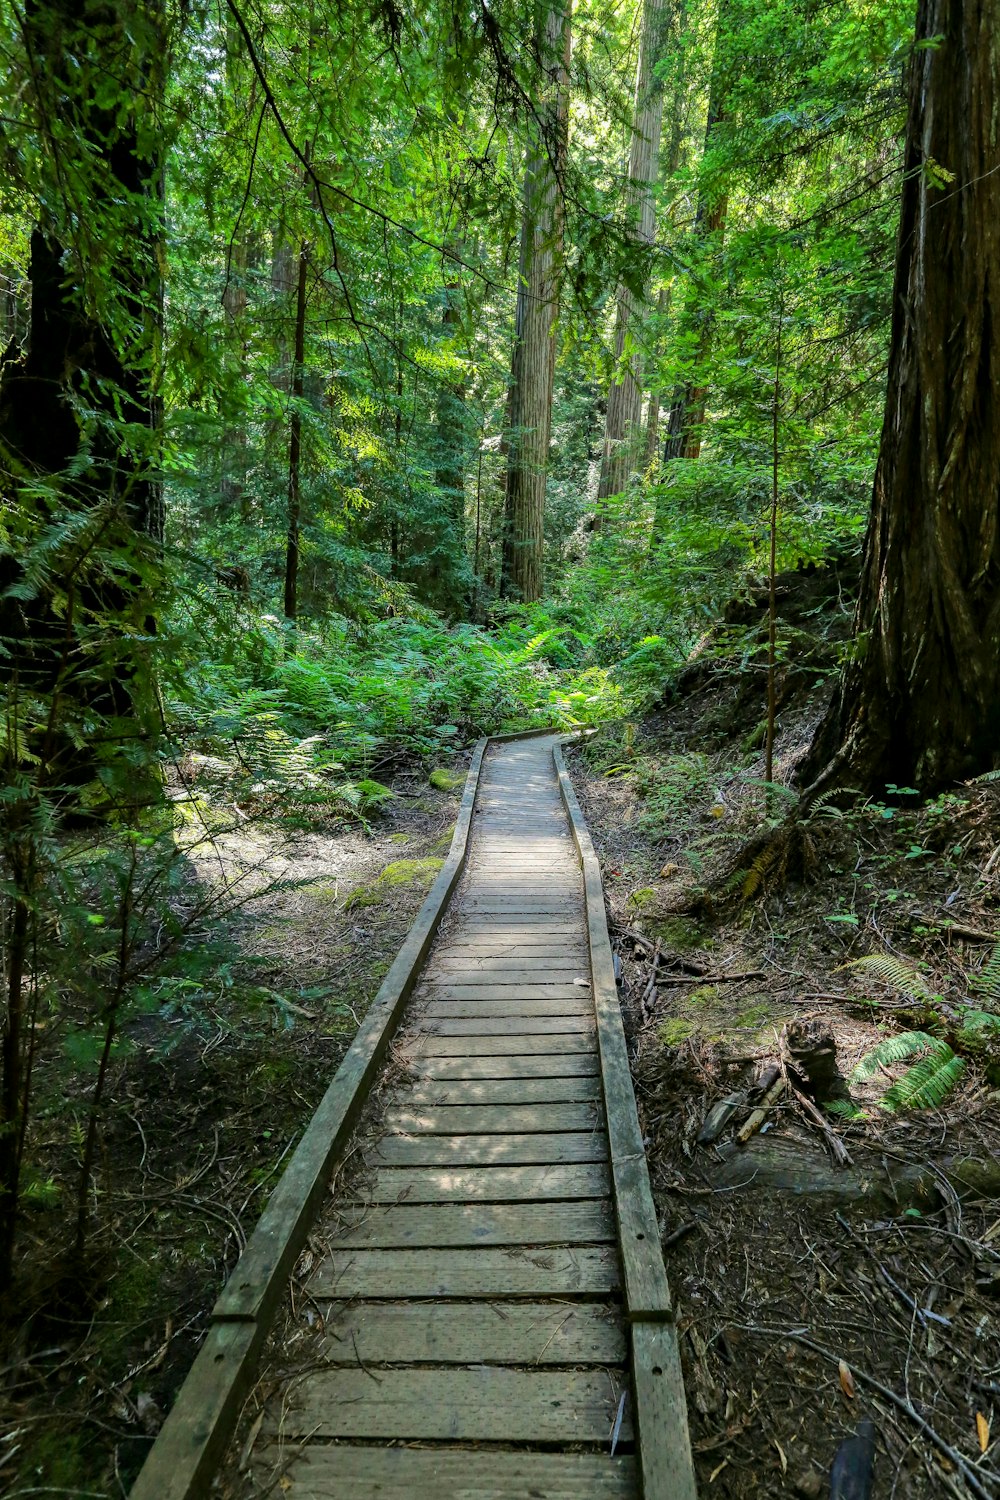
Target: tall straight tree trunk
column 622, row 423
column 687, row 408
column 448, row 583
column 78, row 428
column 920, row 701
column 295, row 443
column 539, row 277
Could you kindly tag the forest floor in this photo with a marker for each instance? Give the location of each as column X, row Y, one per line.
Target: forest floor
column 811, row 1297
column 211, row 1093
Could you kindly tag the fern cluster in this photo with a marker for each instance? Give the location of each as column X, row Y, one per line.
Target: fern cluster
column 924, row 1085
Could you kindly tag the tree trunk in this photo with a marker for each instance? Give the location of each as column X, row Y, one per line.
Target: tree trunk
column 919, row 704
column 92, row 348
column 686, row 414
column 622, row 423
column 295, row 443
column 539, row 277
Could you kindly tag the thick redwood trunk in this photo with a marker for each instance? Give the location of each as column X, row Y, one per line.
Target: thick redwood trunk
column 534, row 356
column 920, row 702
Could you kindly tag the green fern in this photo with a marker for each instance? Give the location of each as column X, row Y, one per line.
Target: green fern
column 986, row 776
column 926, row 1085
column 845, row 1108
column 987, row 982
column 893, row 972
column 896, row 1049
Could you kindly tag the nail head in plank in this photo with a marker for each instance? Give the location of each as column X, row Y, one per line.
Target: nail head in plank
column 666, row 1465
column 426, row 1226
column 456, row 1333
column 487, row 1150
column 472, row 1185
column 474, row 1403
column 487, row 1271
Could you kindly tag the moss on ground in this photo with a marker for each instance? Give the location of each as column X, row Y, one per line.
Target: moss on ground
column 446, row 781
column 401, row 872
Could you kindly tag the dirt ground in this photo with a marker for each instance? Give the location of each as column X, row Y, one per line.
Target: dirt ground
column 217, row 1081
column 812, row 1297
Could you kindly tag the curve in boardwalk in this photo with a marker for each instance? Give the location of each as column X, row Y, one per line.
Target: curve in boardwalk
column 493, row 1316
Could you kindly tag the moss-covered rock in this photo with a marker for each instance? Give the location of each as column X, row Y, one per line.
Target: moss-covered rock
column 675, row 1030
column 401, row 872
column 680, row 933
column 446, row 781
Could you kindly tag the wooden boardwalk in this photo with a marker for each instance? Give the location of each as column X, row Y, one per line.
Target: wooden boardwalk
column 473, row 1297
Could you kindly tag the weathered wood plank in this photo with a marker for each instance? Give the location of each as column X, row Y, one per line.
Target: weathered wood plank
column 503, row 1025
column 549, row 1065
column 487, row 1150
column 665, row 1461
column 319, row 1472
column 647, row 1293
column 493, row 1184
column 494, row 1046
column 521, row 1091
column 486, row 1271
column 490, row 1119
column 509, row 985
column 446, row 1010
column 426, row 1226
column 517, row 964
column 476, row 1403
column 459, row 1333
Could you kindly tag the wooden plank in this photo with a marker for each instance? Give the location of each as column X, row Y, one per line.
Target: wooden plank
column 258, row 1280
column 487, row 1150
column 524, row 948
column 193, row 1438
column 509, row 963
column 451, row 1010
column 509, row 983
column 426, row 1226
column 490, row 1119
column 647, row 1294
column 437, row 1091
column 504, row 1025
column 665, row 1461
column 495, row 1046
column 504, row 992
column 548, row 1065
column 486, row 1271
column 320, row 1472
column 472, row 1185
column 476, row 1403
column 457, row 1333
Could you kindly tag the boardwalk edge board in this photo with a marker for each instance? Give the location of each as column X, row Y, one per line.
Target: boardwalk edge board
column 194, row 1437
column 666, row 1466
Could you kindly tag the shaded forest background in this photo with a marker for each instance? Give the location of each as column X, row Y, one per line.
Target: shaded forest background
column 373, row 378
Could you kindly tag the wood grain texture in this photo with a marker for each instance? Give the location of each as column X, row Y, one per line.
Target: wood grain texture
column 565, row 1065
column 573, row 1089
column 459, row 1333
column 490, row 1119
column 342, row 1471
column 425, row 1226
column 546, row 1182
column 487, row 1271
column 487, row 1150
column 478, row 1403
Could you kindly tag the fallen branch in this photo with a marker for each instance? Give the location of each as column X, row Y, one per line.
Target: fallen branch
column 838, row 1150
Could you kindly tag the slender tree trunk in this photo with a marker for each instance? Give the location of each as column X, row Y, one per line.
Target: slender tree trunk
column 539, row 277
column 687, row 407
column 622, row 423
column 295, row 443
column 920, row 700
